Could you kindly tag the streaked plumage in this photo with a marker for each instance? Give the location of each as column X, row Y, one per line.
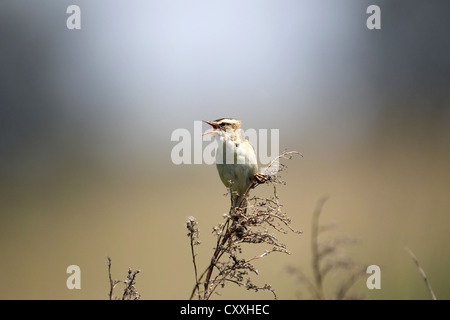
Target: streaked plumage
column 235, row 157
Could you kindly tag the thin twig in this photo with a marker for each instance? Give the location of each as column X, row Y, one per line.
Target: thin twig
column 284, row 155
column 424, row 276
column 315, row 248
column 324, row 261
column 112, row 283
column 129, row 292
column 346, row 285
column 193, row 234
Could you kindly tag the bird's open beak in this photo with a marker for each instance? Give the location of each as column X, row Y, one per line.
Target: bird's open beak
column 212, row 124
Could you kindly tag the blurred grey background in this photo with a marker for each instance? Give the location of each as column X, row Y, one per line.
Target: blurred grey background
column 86, row 118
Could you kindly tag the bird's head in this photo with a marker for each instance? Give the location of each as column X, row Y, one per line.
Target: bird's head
column 223, row 125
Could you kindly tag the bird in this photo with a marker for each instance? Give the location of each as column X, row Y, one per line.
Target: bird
column 236, row 159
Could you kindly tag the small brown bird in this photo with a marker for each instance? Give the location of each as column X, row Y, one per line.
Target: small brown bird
column 235, row 158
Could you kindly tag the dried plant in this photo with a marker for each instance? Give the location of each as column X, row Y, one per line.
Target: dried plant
column 422, row 273
column 253, row 224
column 129, row 290
column 328, row 257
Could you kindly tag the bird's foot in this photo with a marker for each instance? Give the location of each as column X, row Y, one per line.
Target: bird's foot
column 261, row 178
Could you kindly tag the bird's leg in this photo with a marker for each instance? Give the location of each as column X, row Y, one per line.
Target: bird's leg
column 235, row 206
column 260, row 178
column 234, row 202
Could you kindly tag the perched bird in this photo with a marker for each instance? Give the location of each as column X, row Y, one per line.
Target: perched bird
column 235, row 158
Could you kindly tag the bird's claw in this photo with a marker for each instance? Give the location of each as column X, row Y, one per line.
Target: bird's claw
column 260, row 178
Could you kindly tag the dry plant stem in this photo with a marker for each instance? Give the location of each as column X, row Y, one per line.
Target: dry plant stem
column 236, row 266
column 284, row 155
column 315, row 249
column 218, row 252
column 112, row 283
column 221, row 240
column 193, row 233
column 327, row 257
column 246, row 222
column 195, row 267
column 424, row 276
column 345, row 287
column 129, row 292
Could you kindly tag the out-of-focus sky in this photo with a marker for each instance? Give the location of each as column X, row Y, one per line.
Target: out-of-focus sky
column 86, row 118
